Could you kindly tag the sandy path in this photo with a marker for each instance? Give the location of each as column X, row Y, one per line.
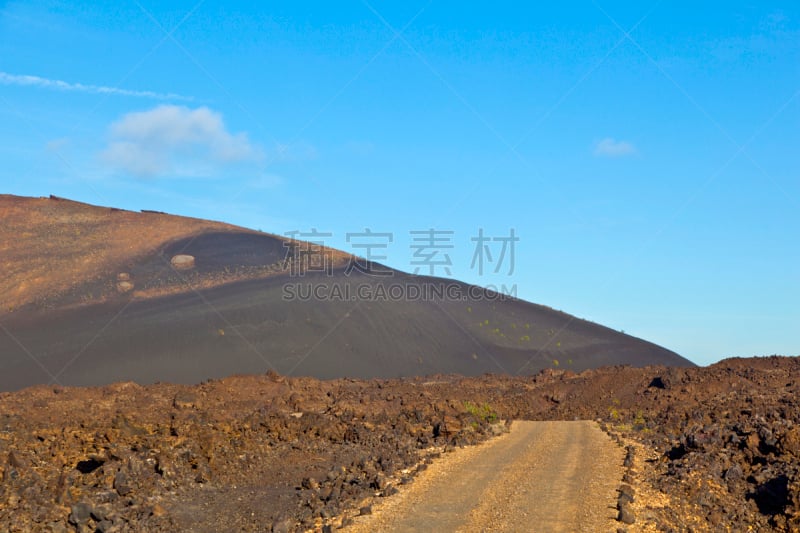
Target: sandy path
column 542, row 476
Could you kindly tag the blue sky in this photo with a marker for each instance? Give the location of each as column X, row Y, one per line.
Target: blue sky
column 645, row 153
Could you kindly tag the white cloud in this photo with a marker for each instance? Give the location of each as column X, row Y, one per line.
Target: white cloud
column 45, row 83
column 610, row 147
column 173, row 139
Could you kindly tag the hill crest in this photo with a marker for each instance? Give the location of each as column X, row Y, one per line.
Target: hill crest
column 95, row 295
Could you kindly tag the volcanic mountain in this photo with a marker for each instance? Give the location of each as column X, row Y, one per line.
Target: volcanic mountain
column 92, row 295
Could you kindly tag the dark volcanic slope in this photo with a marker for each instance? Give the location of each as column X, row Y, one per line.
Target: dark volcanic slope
column 230, row 314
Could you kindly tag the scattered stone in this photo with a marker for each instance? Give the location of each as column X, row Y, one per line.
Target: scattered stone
column 57, row 527
column 626, row 514
column 734, row 473
column 101, row 512
column 310, row 483
column 80, row 513
column 14, row 461
column 720, row 443
column 379, row 482
column 122, row 484
column 628, row 462
column 124, row 286
column 790, row 442
column 285, row 525
column 391, row 490
column 625, row 494
column 185, row 400
column 104, row 526
column 182, row 262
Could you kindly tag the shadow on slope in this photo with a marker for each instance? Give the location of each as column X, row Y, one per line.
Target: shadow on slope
column 253, row 326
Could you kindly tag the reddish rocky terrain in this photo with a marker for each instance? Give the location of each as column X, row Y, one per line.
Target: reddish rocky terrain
column 710, row 449
column 93, row 296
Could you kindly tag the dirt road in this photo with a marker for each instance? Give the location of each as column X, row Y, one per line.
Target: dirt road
column 541, row 477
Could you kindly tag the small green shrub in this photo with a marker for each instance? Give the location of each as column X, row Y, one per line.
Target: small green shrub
column 483, row 411
column 639, row 422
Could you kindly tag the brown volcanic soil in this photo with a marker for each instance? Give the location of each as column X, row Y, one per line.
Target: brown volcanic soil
column 56, row 252
column 65, row 319
column 50, row 245
column 710, row 449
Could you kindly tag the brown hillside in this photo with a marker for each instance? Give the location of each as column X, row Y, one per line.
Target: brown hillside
column 50, row 246
column 95, row 295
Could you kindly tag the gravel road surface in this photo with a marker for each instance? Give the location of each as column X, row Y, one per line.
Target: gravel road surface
column 541, row 477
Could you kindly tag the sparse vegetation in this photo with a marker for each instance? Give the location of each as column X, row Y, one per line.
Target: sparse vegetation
column 703, row 435
column 639, row 422
column 483, row 411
